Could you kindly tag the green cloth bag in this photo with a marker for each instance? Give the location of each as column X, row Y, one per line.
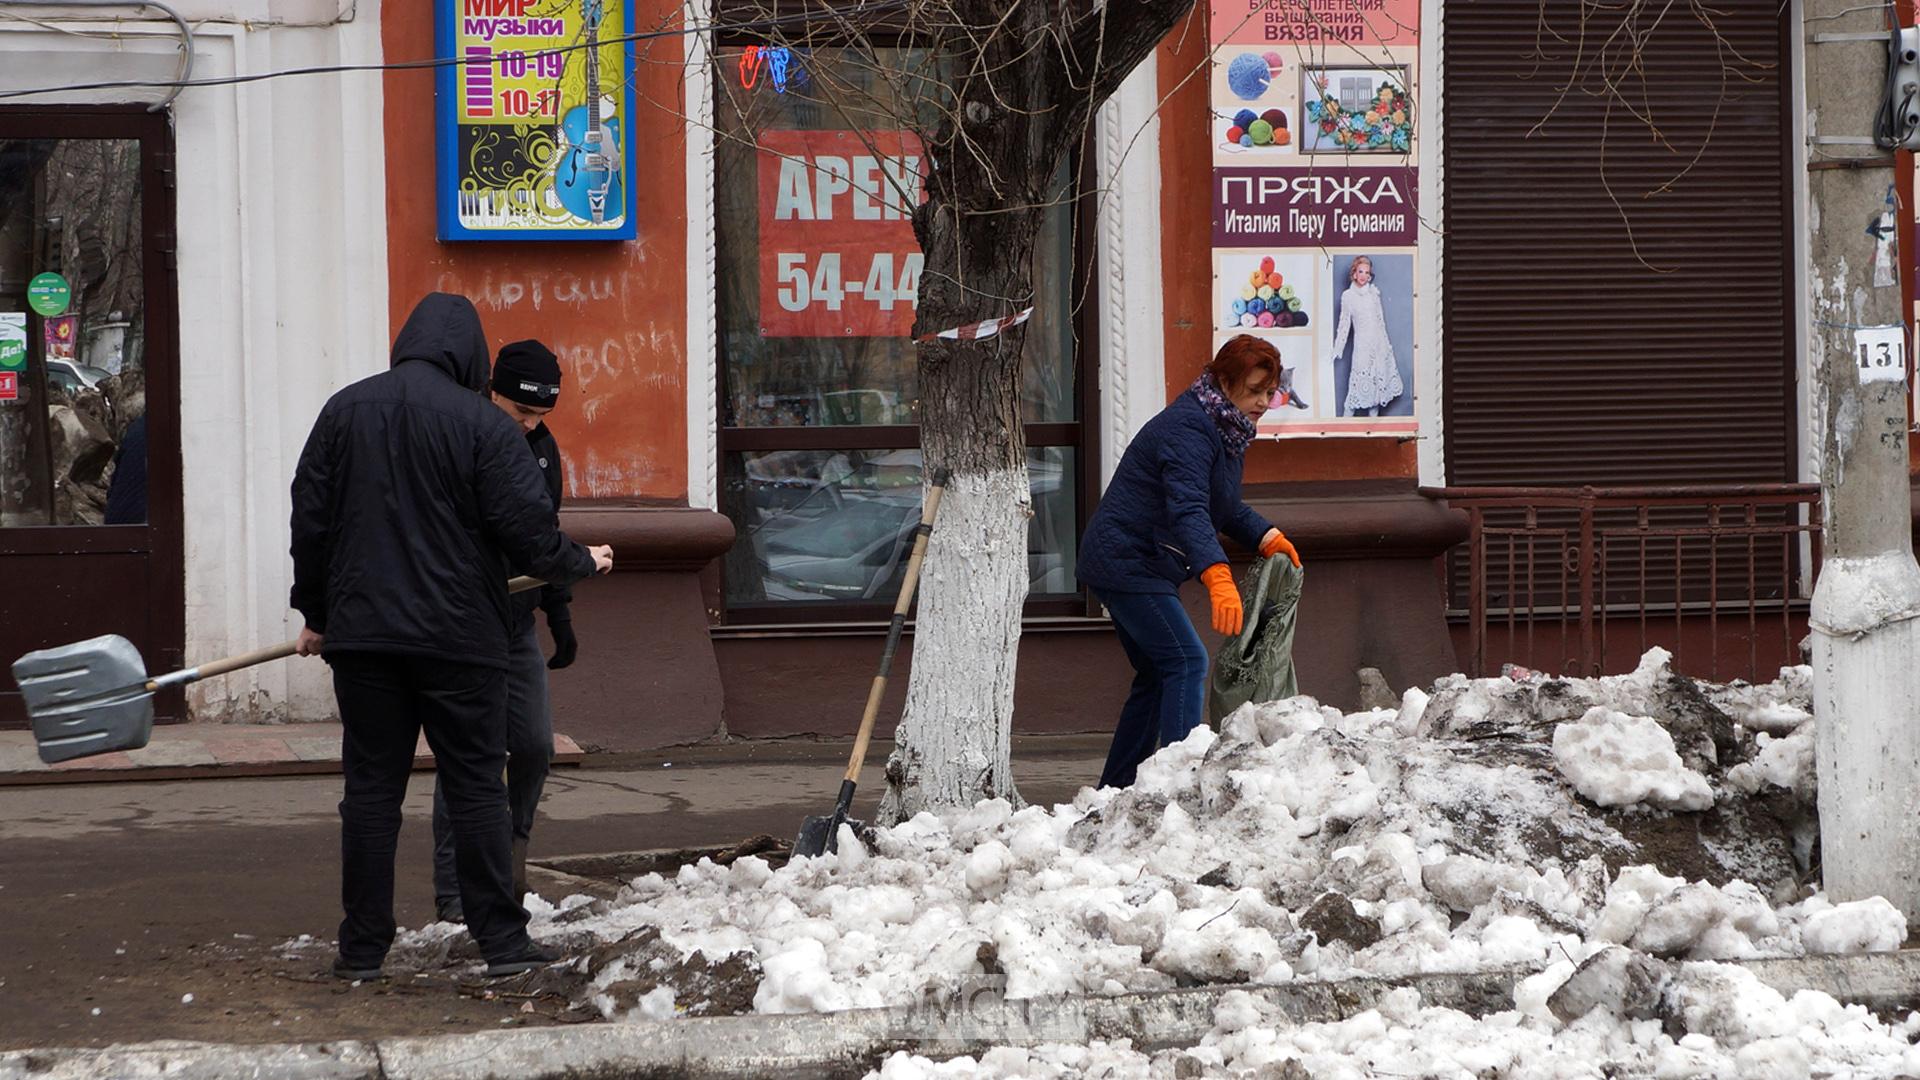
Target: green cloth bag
column 1257, row 665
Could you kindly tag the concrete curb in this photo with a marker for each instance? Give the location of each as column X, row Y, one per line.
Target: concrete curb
column 847, row 1044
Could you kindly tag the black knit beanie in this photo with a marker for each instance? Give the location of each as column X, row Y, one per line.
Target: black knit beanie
column 527, row 372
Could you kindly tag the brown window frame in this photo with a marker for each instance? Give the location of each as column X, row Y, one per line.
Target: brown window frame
column 1081, row 434
column 162, row 538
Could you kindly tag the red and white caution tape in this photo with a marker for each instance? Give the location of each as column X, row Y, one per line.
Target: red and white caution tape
column 976, row 331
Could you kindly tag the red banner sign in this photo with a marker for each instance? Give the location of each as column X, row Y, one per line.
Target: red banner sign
column 9, row 386
column 837, row 252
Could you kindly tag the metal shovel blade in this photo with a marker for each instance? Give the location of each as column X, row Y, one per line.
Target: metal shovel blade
column 86, row 698
column 821, row 833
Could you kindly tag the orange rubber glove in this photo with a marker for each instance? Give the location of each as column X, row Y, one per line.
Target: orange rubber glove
column 1276, row 542
column 1227, row 614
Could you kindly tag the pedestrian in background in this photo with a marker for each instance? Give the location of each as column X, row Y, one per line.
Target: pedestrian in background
column 1176, row 490
column 414, row 501
column 525, row 386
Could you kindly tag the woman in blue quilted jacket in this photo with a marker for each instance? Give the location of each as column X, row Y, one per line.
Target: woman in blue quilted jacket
column 1159, row 524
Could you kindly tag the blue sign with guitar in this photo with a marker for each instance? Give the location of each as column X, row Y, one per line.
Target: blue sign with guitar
column 534, row 124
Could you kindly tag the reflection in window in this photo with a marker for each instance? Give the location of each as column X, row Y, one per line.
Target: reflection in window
column 818, row 266
column 838, row 524
column 816, row 176
column 72, row 363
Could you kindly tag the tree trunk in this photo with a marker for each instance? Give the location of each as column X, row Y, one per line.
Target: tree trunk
column 1025, row 79
column 952, row 747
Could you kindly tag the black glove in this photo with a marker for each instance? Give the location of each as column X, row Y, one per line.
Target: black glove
column 565, row 645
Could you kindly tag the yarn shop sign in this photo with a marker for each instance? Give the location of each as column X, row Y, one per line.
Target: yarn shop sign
column 838, row 257
column 1316, row 229
column 1296, row 206
column 533, row 128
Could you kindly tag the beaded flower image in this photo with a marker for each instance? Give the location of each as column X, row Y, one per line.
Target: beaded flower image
column 1357, row 110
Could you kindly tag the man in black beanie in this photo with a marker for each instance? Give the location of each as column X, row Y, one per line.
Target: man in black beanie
column 413, row 503
column 525, row 386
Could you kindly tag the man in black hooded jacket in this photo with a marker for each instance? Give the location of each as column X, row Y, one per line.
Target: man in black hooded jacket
column 526, row 387
column 415, row 500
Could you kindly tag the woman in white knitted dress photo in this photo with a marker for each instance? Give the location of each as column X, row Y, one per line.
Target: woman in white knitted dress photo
column 1373, row 380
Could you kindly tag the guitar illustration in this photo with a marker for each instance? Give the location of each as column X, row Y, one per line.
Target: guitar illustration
column 587, row 178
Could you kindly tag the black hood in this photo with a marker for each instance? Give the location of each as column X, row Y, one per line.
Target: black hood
column 444, row 330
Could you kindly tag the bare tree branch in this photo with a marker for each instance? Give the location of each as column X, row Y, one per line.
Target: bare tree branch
column 1114, row 38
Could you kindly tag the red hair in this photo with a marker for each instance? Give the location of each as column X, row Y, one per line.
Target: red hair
column 1245, row 362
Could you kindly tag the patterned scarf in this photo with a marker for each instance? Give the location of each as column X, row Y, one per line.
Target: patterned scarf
column 1235, row 427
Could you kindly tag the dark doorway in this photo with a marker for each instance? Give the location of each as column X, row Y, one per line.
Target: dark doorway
column 90, row 510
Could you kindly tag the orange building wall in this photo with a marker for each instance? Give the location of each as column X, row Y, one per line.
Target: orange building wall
column 1186, row 238
column 615, row 313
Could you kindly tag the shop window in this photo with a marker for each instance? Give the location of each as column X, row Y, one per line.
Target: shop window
column 72, row 333
column 816, row 281
column 90, row 484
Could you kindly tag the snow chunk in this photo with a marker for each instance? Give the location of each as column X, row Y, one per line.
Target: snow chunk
column 1620, row 760
column 658, row 1003
column 1681, row 919
column 1774, row 1059
column 988, row 868
column 1782, row 762
column 1858, row 926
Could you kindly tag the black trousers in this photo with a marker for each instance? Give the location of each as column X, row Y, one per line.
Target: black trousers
column 529, row 757
column 385, row 702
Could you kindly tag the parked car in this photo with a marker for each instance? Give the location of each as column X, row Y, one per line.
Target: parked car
column 71, row 377
column 844, row 532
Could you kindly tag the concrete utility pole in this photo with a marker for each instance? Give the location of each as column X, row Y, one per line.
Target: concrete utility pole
column 1866, row 637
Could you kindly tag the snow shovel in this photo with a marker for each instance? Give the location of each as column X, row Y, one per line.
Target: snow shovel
column 820, row 834
column 94, row 696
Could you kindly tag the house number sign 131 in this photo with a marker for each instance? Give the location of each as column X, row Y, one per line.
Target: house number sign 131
column 1880, row 353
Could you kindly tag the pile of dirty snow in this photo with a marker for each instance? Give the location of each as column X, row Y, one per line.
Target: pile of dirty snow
column 1533, row 822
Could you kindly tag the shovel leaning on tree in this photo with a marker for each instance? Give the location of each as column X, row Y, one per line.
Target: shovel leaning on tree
column 94, row 696
column 820, row 834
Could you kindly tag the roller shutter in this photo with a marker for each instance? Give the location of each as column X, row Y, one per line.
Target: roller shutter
column 1570, row 359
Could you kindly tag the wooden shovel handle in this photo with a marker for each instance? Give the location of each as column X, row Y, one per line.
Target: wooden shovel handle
column 227, row 664
column 929, row 510
column 244, row 660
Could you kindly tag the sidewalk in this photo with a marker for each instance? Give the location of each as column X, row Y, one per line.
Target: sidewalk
column 184, row 751
column 122, row 898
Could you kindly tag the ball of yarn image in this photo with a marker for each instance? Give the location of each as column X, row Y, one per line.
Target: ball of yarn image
column 1248, row 76
column 1263, row 298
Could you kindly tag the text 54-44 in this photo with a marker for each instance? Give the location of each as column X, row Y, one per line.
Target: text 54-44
column 807, row 279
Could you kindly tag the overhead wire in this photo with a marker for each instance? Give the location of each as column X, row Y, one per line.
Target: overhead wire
column 176, row 85
column 184, row 79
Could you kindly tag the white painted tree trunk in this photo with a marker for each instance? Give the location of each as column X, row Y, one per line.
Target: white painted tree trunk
column 953, row 746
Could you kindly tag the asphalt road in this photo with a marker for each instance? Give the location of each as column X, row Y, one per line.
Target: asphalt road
column 119, row 899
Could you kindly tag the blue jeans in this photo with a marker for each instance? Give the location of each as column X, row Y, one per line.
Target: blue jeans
column 1169, row 696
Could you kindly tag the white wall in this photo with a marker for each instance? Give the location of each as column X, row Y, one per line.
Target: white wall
column 282, row 286
column 1131, row 288
column 1430, row 328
